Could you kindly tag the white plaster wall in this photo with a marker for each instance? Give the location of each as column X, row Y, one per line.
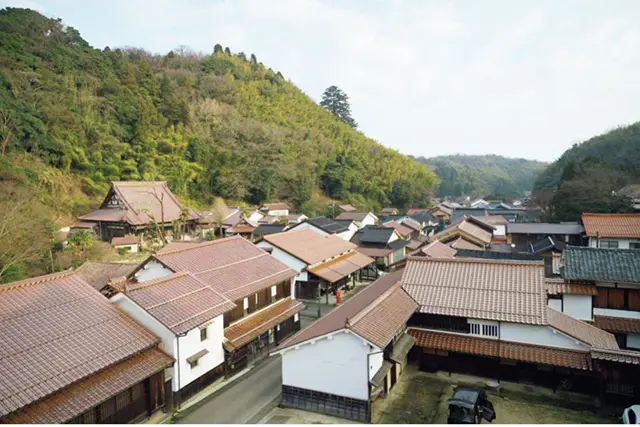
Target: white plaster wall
column 368, row 220
column 610, row 312
column 255, row 216
column 500, row 230
column 152, row 270
column 554, row 303
column 278, row 212
column 393, row 238
column 297, row 265
column 538, row 335
column 622, row 243
column 348, row 235
column 336, row 366
column 191, row 344
column 375, row 361
column 307, row 226
column 633, row 341
column 578, row 306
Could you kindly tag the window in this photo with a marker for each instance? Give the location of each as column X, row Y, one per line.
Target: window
column 483, row 329
column 634, row 245
column 203, row 334
column 193, row 363
column 608, row 244
column 274, row 294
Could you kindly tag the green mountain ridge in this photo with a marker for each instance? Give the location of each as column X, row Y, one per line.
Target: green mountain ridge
column 483, row 175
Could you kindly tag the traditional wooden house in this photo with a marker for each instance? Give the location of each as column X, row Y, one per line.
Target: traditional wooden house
column 362, row 218
column 612, row 231
column 383, row 244
column 347, row 208
column 498, row 225
column 296, row 218
column 363, row 341
column 209, row 221
column 323, row 264
column 276, row 209
column 522, row 235
column 70, row 356
column 466, row 233
column 406, row 233
column 128, row 243
column 389, row 211
column 221, row 305
column 264, row 229
column 136, row 207
column 345, row 229
column 442, row 213
column 99, row 274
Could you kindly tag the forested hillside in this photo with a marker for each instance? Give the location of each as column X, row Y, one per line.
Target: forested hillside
column 73, row 118
column 483, row 176
column 588, row 175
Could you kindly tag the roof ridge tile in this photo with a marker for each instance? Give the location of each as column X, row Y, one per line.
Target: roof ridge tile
column 36, row 280
column 197, row 245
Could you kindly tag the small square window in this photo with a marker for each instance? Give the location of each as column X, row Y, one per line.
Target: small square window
column 203, row 334
column 193, row 364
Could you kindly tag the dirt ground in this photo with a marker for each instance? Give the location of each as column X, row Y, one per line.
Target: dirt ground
column 421, row 398
column 295, row 416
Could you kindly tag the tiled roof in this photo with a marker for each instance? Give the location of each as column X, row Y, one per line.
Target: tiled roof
column 381, row 374
column 347, row 208
column 412, row 211
column 422, row 216
column 180, row 301
column 618, row 324
column 56, row 330
column 580, row 330
column 401, row 229
column 374, row 252
column 478, row 253
column 558, row 286
column 544, row 228
column 244, row 228
column 98, row 274
column 414, row 244
column 337, row 319
column 341, row 267
column 178, row 244
column 355, row 216
column 462, row 243
column 502, row 349
column 411, row 223
column 263, row 229
column 141, row 200
column 491, row 219
column 442, row 208
column 309, row 246
column 72, row 401
column 125, row 240
column 328, row 225
column 246, row 329
column 618, row 356
column 373, row 234
column 502, row 290
column 597, row 264
column 279, row 206
column 465, row 228
column 612, row 225
column 436, row 249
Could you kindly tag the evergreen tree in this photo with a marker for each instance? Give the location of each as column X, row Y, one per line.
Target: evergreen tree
column 254, row 60
column 217, row 48
column 227, row 50
column 336, row 101
column 242, row 56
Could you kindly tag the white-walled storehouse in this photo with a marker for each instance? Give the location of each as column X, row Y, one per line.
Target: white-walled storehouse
column 612, row 231
column 226, row 302
column 342, row 362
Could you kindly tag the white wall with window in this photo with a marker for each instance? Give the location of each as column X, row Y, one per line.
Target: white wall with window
column 538, row 335
column 484, row 328
column 614, row 243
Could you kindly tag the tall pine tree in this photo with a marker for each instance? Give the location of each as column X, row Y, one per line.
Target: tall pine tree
column 336, row 101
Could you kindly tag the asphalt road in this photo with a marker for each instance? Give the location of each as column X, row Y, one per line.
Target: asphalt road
column 243, row 399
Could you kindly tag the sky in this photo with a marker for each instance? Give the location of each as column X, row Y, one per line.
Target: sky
column 516, row 78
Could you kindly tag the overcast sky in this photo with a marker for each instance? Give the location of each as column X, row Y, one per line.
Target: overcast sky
column 517, row 78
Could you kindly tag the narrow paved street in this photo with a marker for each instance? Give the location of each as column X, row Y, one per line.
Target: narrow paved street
column 242, row 400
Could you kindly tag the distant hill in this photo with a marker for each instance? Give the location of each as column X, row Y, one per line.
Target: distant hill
column 482, row 176
column 619, row 148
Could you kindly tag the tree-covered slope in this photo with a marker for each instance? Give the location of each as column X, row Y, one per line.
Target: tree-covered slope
column 483, row 176
column 619, row 148
column 216, row 124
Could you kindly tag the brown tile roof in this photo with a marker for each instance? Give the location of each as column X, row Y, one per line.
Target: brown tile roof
column 279, row 206
column 505, row 350
column 401, row 229
column 503, row 290
column 354, row 216
column 462, row 243
column 98, row 274
column 611, row 225
column 558, row 286
column 347, row 208
column 618, row 356
column 178, row 244
column 618, row 324
column 580, row 330
column 466, row 229
column 412, row 211
column 233, row 266
column 442, row 208
column 248, row 328
column 126, row 240
column 140, row 204
column 56, row 330
column 72, row 401
column 412, row 223
column 374, row 252
column 180, row 301
column 339, row 268
column 492, row 219
column 436, row 249
column 363, row 302
column 414, row 244
column 241, row 229
column 309, row 246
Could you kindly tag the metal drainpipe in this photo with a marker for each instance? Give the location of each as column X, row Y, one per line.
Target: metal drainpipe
column 184, row 334
column 369, row 385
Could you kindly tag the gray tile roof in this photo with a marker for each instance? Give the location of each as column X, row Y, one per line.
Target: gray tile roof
column 268, row 229
column 544, row 228
column 375, row 234
column 597, row 264
column 328, row 225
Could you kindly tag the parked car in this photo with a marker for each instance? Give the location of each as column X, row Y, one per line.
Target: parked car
column 469, row 405
column 631, row 415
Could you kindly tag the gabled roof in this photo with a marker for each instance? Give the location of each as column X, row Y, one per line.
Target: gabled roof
column 411, row 223
column 131, row 239
column 491, row 219
column 373, row 234
column 347, row 208
column 462, row 243
column 98, row 274
column 502, row 290
column 140, row 203
column 180, row 301
column 328, row 225
column 355, row 216
column 263, row 229
column 436, row 249
column 466, row 228
column 423, row 216
column 233, row 216
column 401, row 229
column 412, row 211
column 544, row 228
column 308, row 246
column 598, row 264
column 612, row 225
column 376, row 313
column 546, row 244
column 56, row 330
column 233, row 266
column 442, row 208
column 591, row 335
column 279, row 206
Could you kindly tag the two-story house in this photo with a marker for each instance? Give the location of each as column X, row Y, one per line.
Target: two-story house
column 612, row 231
column 362, row 218
column 276, row 209
column 342, row 362
column 345, row 228
column 523, row 235
column 383, row 244
column 466, row 233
